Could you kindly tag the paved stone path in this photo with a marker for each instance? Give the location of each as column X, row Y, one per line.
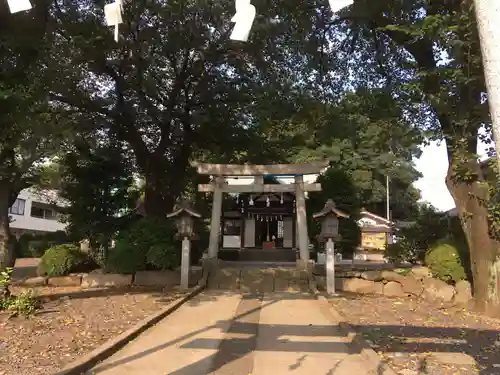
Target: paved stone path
column 225, row 333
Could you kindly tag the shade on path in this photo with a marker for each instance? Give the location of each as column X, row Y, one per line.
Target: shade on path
column 224, row 333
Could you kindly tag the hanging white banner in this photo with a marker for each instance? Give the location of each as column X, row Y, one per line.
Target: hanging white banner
column 337, row 5
column 113, row 15
column 245, row 14
column 16, row 6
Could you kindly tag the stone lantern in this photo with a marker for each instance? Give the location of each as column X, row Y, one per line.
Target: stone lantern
column 184, row 217
column 329, row 217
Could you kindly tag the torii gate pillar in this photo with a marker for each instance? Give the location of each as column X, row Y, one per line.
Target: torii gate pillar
column 300, row 202
column 213, row 247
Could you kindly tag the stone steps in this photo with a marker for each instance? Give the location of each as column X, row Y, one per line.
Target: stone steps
column 259, row 255
column 260, row 280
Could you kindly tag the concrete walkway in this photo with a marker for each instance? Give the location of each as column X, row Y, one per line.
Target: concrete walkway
column 223, row 333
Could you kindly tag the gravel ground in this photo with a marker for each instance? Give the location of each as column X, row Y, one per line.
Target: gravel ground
column 73, row 322
column 418, row 337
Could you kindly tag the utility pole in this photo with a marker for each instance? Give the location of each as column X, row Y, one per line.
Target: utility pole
column 387, row 198
column 488, row 19
column 389, row 238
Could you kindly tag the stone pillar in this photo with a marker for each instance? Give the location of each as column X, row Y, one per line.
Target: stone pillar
column 185, row 262
column 213, row 248
column 300, row 202
column 330, row 267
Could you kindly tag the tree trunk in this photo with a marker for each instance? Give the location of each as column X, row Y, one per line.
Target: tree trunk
column 487, row 16
column 7, row 256
column 471, row 202
column 156, row 202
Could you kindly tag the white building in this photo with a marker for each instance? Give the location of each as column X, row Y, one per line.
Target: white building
column 34, row 212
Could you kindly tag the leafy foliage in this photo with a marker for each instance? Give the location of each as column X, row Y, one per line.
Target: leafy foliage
column 30, row 245
column 364, row 136
column 5, row 277
column 96, row 183
column 26, row 303
column 31, row 128
column 177, row 88
column 443, row 259
column 147, row 244
column 338, row 186
column 446, row 98
column 161, row 257
column 61, row 260
column 126, row 258
column 413, row 242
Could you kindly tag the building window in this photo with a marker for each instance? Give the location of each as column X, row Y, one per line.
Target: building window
column 18, row 207
column 232, row 227
column 43, row 213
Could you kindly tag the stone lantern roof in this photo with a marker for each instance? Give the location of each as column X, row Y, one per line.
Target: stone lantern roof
column 184, row 207
column 330, row 208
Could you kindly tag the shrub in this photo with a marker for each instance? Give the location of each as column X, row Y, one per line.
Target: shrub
column 350, row 238
column 148, row 244
column 26, row 303
column 199, row 246
column 163, row 258
column 443, row 260
column 125, row 258
column 404, row 250
column 63, row 259
column 5, row 280
column 37, row 248
column 414, row 241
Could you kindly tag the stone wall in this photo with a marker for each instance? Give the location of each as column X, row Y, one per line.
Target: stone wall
column 416, row 282
column 98, row 279
column 260, row 280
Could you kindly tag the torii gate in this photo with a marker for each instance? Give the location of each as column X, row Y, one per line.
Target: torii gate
column 221, row 171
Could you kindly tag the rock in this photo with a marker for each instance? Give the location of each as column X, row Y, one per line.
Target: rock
column 402, row 271
column 411, row 285
column 374, row 275
column 378, row 288
column 393, row 289
column 157, row 278
column 463, row 292
column 107, row 279
column 64, row 281
column 358, row 286
column 457, row 359
column 421, row 272
column 347, row 273
column 391, row 276
column 34, row 281
column 438, row 290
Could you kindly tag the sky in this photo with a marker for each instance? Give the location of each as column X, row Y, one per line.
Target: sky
column 433, row 164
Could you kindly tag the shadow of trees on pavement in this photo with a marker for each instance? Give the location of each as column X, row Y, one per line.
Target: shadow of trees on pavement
column 244, row 336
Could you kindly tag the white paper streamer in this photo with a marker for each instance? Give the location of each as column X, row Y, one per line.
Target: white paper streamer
column 245, row 14
column 16, row 6
column 113, row 15
column 337, row 5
